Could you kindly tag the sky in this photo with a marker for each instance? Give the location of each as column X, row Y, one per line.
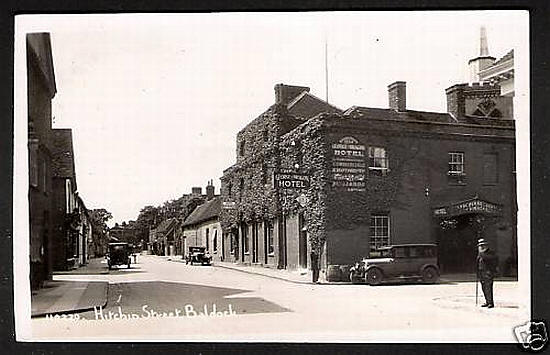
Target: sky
column 155, row 101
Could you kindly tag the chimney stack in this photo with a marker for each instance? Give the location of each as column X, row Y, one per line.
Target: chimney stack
column 196, row 190
column 210, row 190
column 397, row 95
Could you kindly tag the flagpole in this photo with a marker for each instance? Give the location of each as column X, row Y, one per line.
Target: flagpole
column 326, row 68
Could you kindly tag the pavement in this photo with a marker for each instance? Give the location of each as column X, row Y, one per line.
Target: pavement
column 66, row 296
column 295, row 276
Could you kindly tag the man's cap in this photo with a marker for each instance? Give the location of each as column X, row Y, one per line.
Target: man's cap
column 481, row 242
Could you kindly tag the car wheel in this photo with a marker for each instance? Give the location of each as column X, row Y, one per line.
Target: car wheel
column 374, row 276
column 430, row 275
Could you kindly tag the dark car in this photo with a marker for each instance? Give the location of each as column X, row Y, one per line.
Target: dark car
column 404, row 261
column 119, row 254
column 198, row 255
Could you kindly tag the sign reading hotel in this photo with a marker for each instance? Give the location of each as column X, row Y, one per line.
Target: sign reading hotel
column 348, row 164
column 290, row 180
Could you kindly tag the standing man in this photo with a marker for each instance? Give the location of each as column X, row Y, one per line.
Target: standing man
column 486, row 270
column 314, row 265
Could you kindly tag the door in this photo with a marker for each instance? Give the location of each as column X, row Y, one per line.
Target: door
column 255, row 242
column 302, row 242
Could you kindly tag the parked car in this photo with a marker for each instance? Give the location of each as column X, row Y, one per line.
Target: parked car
column 119, row 254
column 404, row 261
column 198, row 255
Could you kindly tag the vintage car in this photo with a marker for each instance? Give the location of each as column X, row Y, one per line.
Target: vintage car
column 404, row 261
column 119, row 254
column 198, row 255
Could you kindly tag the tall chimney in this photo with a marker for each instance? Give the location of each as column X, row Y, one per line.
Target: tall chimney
column 210, row 190
column 397, row 95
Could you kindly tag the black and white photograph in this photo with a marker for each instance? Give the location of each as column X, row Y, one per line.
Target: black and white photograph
column 323, row 176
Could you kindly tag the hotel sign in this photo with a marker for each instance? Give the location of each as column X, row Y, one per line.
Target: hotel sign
column 348, row 164
column 293, row 181
column 471, row 206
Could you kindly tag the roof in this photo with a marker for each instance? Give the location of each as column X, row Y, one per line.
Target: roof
column 205, row 212
column 306, row 105
column 506, row 57
column 63, row 154
column 166, row 225
column 386, row 113
column 425, row 116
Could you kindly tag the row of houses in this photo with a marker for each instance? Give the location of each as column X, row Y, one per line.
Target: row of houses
column 173, row 236
column 312, row 178
column 60, row 226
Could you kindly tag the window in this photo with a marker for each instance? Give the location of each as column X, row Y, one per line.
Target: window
column 270, row 239
column 241, row 189
column 379, row 230
column 33, row 165
column 264, row 173
column 242, row 148
column 229, row 188
column 265, row 135
column 215, row 241
column 490, row 171
column 456, row 163
column 378, row 160
column 400, row 252
column 244, row 231
column 207, row 239
column 44, row 176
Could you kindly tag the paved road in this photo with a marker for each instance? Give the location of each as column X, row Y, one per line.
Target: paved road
column 254, row 307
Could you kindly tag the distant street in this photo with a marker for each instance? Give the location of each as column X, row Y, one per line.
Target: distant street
column 254, row 307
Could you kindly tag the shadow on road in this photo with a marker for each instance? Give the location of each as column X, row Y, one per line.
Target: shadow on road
column 162, row 296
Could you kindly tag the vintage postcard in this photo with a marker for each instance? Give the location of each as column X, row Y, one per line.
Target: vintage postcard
column 279, row 177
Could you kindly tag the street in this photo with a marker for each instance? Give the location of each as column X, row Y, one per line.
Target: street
column 158, row 299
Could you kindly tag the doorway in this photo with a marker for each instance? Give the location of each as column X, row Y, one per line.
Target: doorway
column 457, row 241
column 302, row 241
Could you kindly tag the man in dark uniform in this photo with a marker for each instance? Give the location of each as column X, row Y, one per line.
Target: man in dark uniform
column 314, row 266
column 487, row 263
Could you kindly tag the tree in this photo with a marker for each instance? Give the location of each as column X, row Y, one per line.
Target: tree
column 98, row 219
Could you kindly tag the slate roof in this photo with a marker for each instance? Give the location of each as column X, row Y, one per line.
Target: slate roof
column 166, row 225
column 205, row 212
column 306, row 106
column 63, row 153
column 411, row 115
column 506, row 57
column 386, row 113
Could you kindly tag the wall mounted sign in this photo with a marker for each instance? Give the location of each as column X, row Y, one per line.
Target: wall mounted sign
column 474, row 205
column 282, row 180
column 348, row 164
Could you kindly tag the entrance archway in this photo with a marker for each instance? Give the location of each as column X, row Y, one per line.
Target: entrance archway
column 459, row 226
